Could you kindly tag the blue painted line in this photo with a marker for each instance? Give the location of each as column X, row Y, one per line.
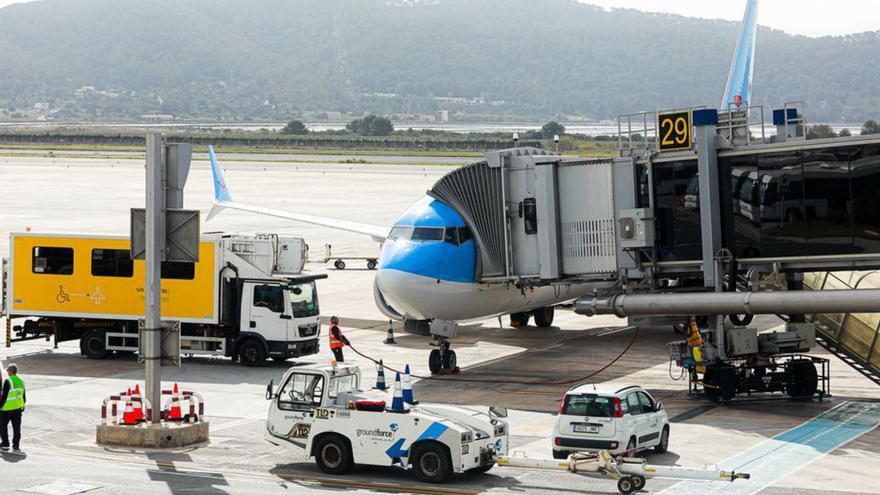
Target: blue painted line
column 778, row 457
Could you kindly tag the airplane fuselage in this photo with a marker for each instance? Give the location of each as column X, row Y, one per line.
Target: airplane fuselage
column 428, row 270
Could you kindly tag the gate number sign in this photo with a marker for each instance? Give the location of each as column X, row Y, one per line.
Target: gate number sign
column 674, row 131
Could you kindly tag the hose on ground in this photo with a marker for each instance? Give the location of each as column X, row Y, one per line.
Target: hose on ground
column 509, row 382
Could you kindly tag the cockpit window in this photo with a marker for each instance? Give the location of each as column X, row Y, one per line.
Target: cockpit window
column 402, row 233
column 452, row 235
column 428, row 234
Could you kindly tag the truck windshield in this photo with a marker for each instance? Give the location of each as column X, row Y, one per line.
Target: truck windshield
column 302, row 391
column 341, row 384
column 588, row 405
column 304, row 300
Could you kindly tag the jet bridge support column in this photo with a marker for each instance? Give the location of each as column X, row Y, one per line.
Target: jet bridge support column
column 705, row 125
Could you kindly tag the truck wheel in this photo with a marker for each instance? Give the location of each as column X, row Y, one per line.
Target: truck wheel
column 333, row 455
column 93, row 345
column 720, row 383
column 431, row 463
column 339, row 264
column 371, row 264
column 251, row 353
column 544, row 317
column 664, row 441
column 434, row 361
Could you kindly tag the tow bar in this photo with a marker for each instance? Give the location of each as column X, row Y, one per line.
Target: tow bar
column 630, row 472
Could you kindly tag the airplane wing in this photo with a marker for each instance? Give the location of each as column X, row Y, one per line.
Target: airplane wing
column 223, row 200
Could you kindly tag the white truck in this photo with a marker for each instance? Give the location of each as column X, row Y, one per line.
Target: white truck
column 246, row 297
column 320, row 412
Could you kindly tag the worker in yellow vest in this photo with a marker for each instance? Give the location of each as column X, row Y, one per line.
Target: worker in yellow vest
column 12, row 403
column 337, row 340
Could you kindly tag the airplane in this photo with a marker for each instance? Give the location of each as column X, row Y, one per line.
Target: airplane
column 428, row 263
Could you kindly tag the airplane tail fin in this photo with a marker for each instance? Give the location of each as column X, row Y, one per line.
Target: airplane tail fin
column 739, row 81
column 221, row 192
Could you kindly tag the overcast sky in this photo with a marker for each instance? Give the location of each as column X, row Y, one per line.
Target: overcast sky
column 807, row 17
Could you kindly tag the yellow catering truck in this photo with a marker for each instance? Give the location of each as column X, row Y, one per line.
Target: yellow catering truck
column 246, row 297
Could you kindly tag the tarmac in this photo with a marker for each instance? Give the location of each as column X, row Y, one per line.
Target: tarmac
column 790, row 447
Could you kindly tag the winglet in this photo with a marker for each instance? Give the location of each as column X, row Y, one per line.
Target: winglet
column 221, row 192
column 742, row 68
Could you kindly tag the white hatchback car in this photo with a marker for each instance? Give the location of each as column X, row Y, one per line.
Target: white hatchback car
column 613, row 417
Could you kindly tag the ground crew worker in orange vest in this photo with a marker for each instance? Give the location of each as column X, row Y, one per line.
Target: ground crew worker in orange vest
column 337, row 340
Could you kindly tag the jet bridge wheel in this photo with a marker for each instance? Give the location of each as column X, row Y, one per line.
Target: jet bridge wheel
column 720, row 383
column 519, row 319
column 803, row 381
column 544, row 317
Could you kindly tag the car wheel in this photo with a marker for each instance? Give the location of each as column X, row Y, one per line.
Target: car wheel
column 664, row 441
column 251, row 353
column 431, row 463
column 560, row 454
column 631, row 446
column 93, row 345
column 333, row 455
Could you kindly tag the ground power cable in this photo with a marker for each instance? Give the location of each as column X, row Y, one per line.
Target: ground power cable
column 507, row 382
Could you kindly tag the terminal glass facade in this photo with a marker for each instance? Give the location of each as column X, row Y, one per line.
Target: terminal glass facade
column 823, row 201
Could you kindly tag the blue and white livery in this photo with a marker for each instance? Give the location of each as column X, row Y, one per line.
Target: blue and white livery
column 738, row 90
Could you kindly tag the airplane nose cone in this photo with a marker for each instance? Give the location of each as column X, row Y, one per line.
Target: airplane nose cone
column 403, row 292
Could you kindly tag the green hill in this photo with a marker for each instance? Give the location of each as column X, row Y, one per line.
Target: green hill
column 273, row 59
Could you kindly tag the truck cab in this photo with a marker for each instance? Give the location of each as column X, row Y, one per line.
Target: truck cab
column 322, row 413
column 278, row 319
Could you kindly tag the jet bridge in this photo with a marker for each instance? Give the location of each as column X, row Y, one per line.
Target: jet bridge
column 699, row 204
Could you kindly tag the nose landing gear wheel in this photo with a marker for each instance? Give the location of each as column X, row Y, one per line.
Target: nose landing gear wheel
column 434, row 361
column 450, row 361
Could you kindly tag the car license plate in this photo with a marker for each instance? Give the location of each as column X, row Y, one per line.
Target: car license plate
column 586, row 429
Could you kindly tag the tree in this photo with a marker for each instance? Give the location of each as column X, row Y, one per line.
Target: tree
column 552, row 128
column 371, row 125
column 295, row 127
column 820, row 131
column 870, row 127
column 844, row 133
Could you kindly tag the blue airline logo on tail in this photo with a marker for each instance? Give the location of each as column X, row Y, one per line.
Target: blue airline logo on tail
column 221, row 193
column 739, row 80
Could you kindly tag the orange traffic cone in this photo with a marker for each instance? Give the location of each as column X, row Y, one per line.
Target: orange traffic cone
column 128, row 417
column 138, row 411
column 174, row 413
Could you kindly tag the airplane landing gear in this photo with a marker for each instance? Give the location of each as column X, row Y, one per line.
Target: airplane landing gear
column 442, row 360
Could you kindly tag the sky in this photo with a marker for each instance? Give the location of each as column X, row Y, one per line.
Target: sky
column 805, row 17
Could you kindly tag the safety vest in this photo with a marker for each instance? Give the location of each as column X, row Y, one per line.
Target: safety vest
column 334, row 342
column 15, row 399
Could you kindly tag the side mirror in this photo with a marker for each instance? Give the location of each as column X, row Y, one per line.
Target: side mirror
column 270, row 393
column 498, row 412
column 286, row 317
column 658, row 406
